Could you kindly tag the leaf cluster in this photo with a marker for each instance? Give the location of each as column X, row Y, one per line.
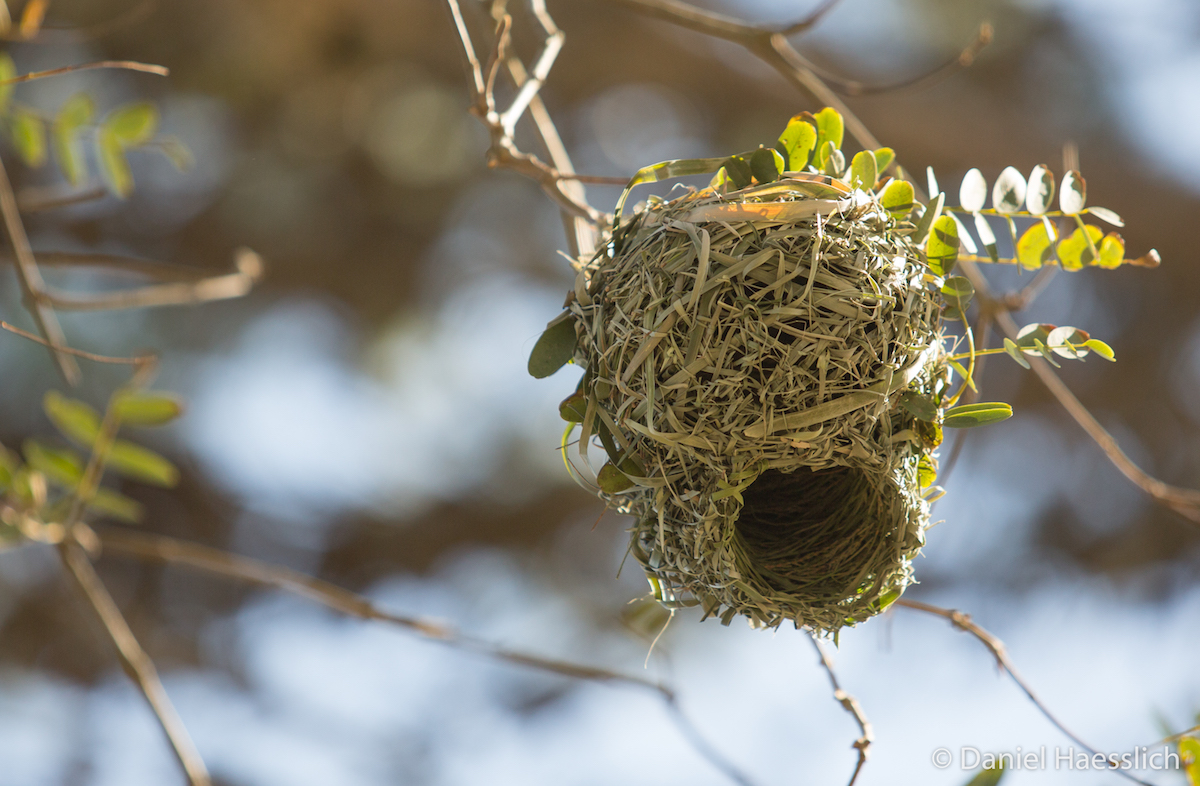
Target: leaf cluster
column 43, row 484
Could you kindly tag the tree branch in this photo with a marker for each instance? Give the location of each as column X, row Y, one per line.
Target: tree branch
column 996, row 647
column 134, row 660
column 32, row 285
column 851, row 705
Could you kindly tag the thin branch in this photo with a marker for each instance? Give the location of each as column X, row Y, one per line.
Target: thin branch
column 1185, row 502
column 33, row 200
column 139, row 360
column 851, row 705
column 32, row 285
column 502, row 150
column 996, row 647
column 192, row 555
column 136, row 663
column 124, row 65
column 811, row 20
column 230, row 285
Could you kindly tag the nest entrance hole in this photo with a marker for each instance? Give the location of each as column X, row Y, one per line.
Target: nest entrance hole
column 817, row 533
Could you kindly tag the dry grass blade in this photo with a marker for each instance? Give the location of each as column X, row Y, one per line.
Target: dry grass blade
column 996, row 647
column 134, row 660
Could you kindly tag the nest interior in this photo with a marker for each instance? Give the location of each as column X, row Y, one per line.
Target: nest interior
column 745, row 355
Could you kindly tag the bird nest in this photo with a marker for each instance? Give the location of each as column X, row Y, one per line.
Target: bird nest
column 745, row 354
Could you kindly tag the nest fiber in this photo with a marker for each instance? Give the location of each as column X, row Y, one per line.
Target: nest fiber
column 745, row 357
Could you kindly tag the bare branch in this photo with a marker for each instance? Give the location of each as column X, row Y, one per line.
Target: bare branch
column 32, row 285
column 125, row 65
column 134, row 660
column 35, row 199
column 1185, row 502
column 996, row 647
column 502, row 150
column 140, row 360
column 230, row 285
column 851, row 705
column 176, row 552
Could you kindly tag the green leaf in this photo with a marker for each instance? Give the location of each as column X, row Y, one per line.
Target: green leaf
column 142, row 464
column 897, row 198
column 111, row 503
column 884, row 157
column 831, row 129
column 987, row 237
column 8, row 70
column 1112, row 251
column 1040, row 194
column 75, row 113
column 574, row 408
column 972, row 194
column 29, row 136
column 63, row 466
column 926, row 472
column 942, row 248
column 612, row 480
column 1008, row 193
column 1015, row 353
column 957, row 292
column 1073, row 194
column 933, row 211
column 864, row 171
column 988, row 777
column 1100, row 348
column 114, row 167
column 964, row 237
column 739, row 171
column 835, row 162
column 971, row 415
column 1075, row 252
column 1189, row 755
column 554, row 349
column 147, row 408
column 9, row 464
column 1106, row 215
column 1035, row 248
column 1030, row 336
column 918, row 405
column 76, row 420
column 1068, row 342
column 132, row 125
column 766, row 164
column 799, row 139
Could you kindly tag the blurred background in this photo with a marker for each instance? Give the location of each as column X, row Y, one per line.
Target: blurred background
column 365, row 414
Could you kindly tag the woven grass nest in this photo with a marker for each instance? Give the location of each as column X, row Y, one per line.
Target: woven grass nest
column 765, row 369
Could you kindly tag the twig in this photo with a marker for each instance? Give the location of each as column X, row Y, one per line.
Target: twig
column 32, row 285
column 33, row 200
column 176, row 552
column 136, row 663
column 125, row 65
column 996, row 647
column 851, row 705
column 230, row 285
column 1185, row 502
column 502, row 150
column 774, row 49
column 140, row 360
